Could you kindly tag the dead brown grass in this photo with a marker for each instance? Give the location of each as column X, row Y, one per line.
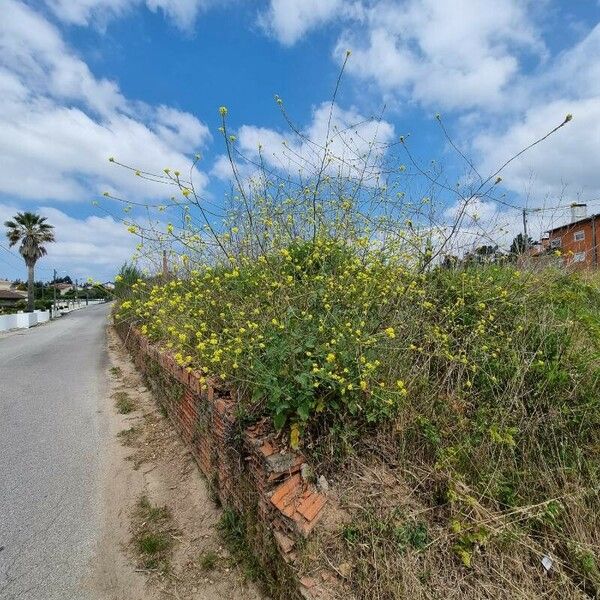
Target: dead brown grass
column 395, row 540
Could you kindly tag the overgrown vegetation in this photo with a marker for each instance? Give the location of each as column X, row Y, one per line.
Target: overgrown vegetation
column 326, row 303
column 153, row 535
column 254, row 550
column 233, row 531
column 125, row 278
column 123, row 402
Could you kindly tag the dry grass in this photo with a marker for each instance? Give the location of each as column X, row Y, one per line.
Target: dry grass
column 400, row 539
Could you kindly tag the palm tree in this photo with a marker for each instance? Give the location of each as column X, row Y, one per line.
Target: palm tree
column 32, row 231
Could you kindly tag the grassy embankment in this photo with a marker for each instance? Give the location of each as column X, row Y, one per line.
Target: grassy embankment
column 457, row 412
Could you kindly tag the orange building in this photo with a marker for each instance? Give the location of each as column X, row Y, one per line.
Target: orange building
column 577, row 241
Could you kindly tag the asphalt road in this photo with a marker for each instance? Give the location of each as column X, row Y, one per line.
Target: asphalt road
column 52, row 434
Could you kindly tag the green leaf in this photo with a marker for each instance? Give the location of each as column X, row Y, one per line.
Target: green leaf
column 303, row 411
column 279, row 420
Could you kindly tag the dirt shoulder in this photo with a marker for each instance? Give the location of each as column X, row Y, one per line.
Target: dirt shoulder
column 160, row 537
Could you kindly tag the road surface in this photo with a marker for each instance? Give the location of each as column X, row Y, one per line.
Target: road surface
column 53, row 431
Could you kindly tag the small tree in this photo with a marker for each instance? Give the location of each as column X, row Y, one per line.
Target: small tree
column 127, row 276
column 32, row 231
column 518, row 245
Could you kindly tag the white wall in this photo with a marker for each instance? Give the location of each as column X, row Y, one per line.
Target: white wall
column 42, row 315
column 25, row 320
column 8, row 322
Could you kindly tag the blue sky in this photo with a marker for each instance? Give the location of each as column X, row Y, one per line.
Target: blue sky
column 142, row 80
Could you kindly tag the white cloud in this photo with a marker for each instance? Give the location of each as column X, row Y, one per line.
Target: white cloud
column 350, row 137
column 452, row 55
column 289, row 20
column 89, row 247
column 572, row 156
column 179, row 129
column 33, row 50
column 183, row 13
column 59, row 123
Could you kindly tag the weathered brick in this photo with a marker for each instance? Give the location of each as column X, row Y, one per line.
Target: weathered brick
column 284, row 489
column 311, row 506
column 263, row 475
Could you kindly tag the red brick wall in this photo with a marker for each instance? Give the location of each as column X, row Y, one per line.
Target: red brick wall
column 248, row 468
column 570, row 247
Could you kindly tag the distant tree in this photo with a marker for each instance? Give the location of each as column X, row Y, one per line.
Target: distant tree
column 32, row 231
column 482, row 254
column 449, row 261
column 518, row 244
column 65, row 279
column 126, row 277
column 486, row 251
column 98, row 291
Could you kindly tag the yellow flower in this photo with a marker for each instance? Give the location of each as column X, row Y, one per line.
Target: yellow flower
column 294, row 436
column 330, row 357
column 390, row 332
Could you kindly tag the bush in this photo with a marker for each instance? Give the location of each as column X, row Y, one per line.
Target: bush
column 331, row 334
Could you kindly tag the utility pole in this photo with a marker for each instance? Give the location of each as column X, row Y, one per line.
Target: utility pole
column 165, row 266
column 54, row 288
column 525, row 235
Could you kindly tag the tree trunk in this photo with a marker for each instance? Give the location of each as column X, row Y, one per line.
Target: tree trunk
column 30, row 289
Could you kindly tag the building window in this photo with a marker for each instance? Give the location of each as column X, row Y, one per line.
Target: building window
column 579, row 236
column 579, row 257
column 555, row 243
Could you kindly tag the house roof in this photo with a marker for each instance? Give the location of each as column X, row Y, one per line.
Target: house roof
column 574, row 223
column 11, row 295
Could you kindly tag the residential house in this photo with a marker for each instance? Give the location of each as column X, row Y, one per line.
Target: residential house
column 577, row 241
column 9, row 295
column 63, row 288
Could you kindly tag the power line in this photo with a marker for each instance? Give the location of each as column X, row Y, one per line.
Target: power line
column 20, row 258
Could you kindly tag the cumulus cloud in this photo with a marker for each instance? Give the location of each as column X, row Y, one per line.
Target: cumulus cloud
column 455, row 55
column 289, row 20
column 59, row 123
column 571, row 157
column 352, row 140
column 89, row 247
column 452, row 55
